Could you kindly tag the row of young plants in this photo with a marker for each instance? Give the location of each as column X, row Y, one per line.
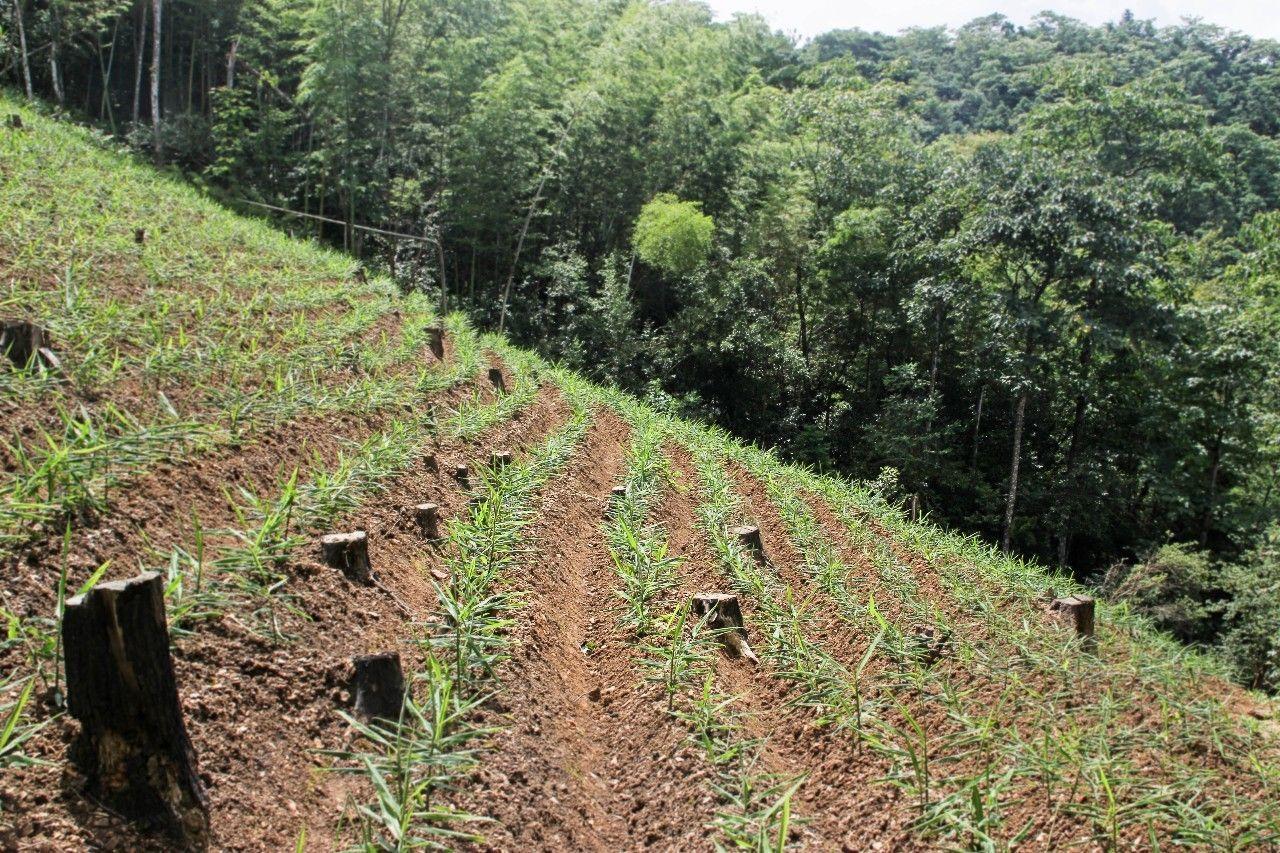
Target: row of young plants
column 239, row 571
column 1006, row 739
column 70, row 475
column 414, row 763
column 676, row 648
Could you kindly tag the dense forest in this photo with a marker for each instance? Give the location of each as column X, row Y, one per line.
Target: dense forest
column 1025, row 278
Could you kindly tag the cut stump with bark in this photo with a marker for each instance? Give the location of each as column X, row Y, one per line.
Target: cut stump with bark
column 748, row 536
column 723, row 612
column 25, row 342
column 1076, row 611
column 428, row 518
column 429, row 462
column 350, row 553
column 500, row 459
column 133, row 746
column 140, row 236
column 499, row 383
column 463, row 475
column 435, row 341
column 14, row 121
column 377, row 686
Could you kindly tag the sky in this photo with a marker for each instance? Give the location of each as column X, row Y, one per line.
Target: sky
column 808, row 18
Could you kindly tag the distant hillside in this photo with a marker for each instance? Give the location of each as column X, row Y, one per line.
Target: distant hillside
column 216, row 396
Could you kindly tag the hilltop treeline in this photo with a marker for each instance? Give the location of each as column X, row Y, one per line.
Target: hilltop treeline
column 1027, row 276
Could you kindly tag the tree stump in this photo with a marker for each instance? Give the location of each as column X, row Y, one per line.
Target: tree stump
column 1077, row 612
column 24, row 342
column 15, row 121
column 377, row 686
column 429, row 462
column 133, row 746
column 723, row 612
column 428, row 518
column 748, row 536
column 350, row 553
column 619, row 492
column 499, row 459
column 140, row 236
column 929, row 643
column 462, row 475
column 435, row 341
column 499, row 383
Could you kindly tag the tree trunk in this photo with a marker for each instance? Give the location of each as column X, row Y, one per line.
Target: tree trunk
column 55, row 73
column 157, row 145
column 22, row 46
column 1215, row 468
column 804, row 321
column 231, row 63
column 977, row 428
column 139, row 57
column 133, row 746
column 1018, row 420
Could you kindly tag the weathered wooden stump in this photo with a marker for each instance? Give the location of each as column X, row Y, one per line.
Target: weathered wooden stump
column 133, row 746
column 929, row 643
column 499, row 383
column 1077, row 612
column 619, row 492
column 14, row 121
column 463, row 475
column 25, row 342
column 748, row 536
column 350, row 553
column 499, row 459
column 377, row 686
column 428, row 518
column 435, row 341
column 723, row 612
column 139, row 235
column 429, row 462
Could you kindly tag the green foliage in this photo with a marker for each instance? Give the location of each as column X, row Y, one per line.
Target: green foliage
column 673, row 235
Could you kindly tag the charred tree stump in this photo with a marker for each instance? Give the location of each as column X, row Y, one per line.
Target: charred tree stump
column 1077, row 612
column 435, row 341
column 748, row 537
column 350, row 553
column 429, row 462
column 428, row 518
column 140, row 236
column 499, row 383
column 377, row 686
column 133, row 746
column 723, row 612
column 500, row 459
column 25, row 342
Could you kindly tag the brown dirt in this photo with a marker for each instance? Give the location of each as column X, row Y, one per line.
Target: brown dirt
column 257, row 711
column 587, row 759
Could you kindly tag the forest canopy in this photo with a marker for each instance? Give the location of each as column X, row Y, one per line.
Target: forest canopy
column 1028, row 276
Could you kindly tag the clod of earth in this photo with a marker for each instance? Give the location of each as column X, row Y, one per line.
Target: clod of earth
column 748, row 536
column 722, row 612
column 435, row 341
column 428, row 518
column 350, row 553
column 1077, row 612
column 133, row 746
column 377, row 686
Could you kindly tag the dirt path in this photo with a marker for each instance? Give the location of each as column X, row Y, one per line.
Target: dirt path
column 588, row 760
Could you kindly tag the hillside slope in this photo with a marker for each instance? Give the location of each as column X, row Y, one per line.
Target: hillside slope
column 226, row 395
